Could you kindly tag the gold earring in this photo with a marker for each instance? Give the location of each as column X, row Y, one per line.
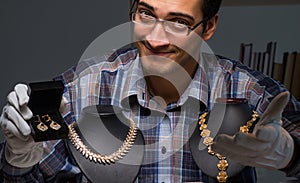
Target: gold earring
column 46, row 118
column 41, row 126
column 54, row 125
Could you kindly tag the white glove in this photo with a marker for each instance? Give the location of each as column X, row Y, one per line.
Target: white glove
column 269, row 146
column 20, row 150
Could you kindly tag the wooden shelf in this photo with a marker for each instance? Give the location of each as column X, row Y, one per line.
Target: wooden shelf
column 258, row 2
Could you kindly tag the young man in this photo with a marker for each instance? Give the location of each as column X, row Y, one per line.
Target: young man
column 165, row 74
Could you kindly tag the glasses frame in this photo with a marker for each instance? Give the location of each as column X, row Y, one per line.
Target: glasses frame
column 190, row 28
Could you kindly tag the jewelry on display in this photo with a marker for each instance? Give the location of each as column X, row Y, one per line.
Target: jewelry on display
column 54, row 125
column 46, row 118
column 208, row 141
column 41, row 126
column 99, row 158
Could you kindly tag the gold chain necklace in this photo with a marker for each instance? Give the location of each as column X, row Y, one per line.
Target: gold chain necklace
column 208, row 141
column 99, row 158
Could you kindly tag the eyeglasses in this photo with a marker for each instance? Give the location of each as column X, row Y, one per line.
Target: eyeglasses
column 174, row 28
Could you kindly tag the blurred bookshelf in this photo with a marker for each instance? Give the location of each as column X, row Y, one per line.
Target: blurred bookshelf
column 287, row 71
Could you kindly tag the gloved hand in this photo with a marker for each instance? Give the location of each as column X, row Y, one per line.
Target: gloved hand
column 269, row 146
column 20, row 150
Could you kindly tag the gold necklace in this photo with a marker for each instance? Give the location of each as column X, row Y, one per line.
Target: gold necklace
column 99, row 158
column 208, row 141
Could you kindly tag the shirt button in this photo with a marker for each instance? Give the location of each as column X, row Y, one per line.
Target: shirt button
column 163, row 150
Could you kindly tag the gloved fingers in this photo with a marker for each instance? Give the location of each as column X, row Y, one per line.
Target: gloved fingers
column 9, row 129
column 11, row 114
column 233, row 154
column 22, row 94
column 225, row 145
column 24, row 110
column 12, row 99
column 246, row 144
column 275, row 108
column 268, row 133
column 236, row 156
column 267, row 162
column 254, row 161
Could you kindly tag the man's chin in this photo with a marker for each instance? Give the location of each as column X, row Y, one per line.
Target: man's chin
column 158, row 65
column 157, row 58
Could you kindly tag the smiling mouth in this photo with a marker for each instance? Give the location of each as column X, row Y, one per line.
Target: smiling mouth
column 158, row 52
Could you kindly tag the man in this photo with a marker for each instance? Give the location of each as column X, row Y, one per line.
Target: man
column 168, row 74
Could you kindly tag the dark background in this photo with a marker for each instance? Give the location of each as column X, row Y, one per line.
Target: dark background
column 40, row 39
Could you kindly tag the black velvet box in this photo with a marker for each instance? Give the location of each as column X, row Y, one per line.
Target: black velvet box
column 44, row 102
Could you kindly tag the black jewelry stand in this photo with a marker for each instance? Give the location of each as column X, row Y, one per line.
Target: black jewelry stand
column 230, row 114
column 103, row 129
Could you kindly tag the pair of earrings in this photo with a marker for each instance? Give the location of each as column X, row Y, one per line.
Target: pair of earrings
column 47, row 119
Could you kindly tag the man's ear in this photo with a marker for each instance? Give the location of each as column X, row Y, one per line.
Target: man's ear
column 211, row 26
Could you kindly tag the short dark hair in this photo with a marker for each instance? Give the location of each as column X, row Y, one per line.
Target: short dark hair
column 210, row 8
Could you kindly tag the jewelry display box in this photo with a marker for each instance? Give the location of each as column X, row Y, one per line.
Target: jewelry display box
column 44, row 102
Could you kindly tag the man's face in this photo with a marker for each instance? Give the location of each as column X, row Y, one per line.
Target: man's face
column 161, row 51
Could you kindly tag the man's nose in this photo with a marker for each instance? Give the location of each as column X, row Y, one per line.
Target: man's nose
column 158, row 36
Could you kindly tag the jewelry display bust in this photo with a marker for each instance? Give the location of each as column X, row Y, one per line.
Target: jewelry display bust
column 107, row 146
column 228, row 116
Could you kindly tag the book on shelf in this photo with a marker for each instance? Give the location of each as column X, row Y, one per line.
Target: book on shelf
column 262, row 61
column 278, row 68
column 295, row 85
column 254, row 61
column 268, row 59
column 246, row 53
column 265, row 63
column 288, row 70
column 259, row 61
column 278, row 72
column 271, row 49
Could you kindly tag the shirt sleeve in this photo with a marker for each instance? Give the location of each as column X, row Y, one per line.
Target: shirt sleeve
column 56, row 166
column 291, row 122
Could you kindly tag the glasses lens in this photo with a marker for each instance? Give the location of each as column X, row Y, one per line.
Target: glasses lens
column 176, row 28
column 145, row 20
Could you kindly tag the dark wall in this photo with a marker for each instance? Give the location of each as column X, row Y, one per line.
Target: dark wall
column 39, row 39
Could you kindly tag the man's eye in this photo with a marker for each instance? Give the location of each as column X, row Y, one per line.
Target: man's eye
column 181, row 22
column 145, row 13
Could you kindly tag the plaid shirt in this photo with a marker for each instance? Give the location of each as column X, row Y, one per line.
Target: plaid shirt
column 117, row 79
